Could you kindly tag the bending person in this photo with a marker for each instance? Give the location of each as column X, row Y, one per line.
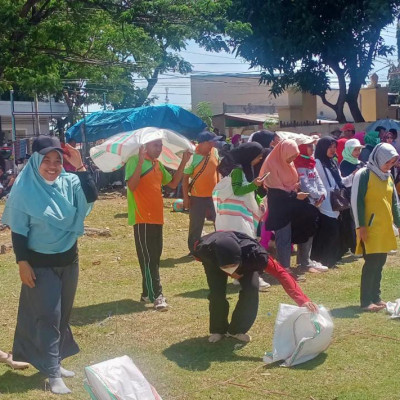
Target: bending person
column 44, row 236
column 241, row 257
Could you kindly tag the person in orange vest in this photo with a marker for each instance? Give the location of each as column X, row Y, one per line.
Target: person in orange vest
column 198, row 183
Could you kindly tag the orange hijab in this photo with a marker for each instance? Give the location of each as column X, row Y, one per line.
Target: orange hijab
column 282, row 175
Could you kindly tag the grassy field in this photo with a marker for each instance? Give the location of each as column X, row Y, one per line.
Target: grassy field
column 171, row 348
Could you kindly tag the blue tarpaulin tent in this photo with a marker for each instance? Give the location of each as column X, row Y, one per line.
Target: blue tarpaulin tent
column 103, row 124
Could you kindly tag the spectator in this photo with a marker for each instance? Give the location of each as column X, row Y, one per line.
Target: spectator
column 375, row 206
column 44, row 235
column 203, row 176
column 371, row 140
column 348, row 132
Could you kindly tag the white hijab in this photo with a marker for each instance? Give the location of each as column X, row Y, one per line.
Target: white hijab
column 380, row 155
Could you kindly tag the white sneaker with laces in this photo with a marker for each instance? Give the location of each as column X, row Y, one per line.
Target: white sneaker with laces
column 160, row 304
column 319, row 266
column 263, row 286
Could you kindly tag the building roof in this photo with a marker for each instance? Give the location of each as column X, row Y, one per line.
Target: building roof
column 256, row 118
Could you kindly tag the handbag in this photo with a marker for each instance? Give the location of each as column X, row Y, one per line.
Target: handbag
column 338, row 197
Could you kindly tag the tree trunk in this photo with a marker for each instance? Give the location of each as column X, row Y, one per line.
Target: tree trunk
column 355, row 109
column 352, row 101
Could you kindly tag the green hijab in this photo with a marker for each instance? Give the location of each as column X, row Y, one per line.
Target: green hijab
column 372, row 138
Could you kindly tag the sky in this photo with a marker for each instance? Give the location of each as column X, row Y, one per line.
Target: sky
column 178, row 86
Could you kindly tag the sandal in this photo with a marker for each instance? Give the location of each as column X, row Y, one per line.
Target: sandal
column 13, row 364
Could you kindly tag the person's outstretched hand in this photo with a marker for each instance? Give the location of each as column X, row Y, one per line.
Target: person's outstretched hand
column 311, row 306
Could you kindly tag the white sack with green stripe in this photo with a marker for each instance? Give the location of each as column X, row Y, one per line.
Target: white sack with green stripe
column 116, row 151
column 300, row 335
column 118, row 379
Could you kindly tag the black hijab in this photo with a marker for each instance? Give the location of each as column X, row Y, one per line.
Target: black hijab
column 263, row 137
column 329, row 163
column 244, row 154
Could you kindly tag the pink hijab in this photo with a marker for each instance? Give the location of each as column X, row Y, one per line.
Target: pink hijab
column 282, row 175
column 360, row 136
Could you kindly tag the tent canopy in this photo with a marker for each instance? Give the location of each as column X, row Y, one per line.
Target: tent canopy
column 103, row 124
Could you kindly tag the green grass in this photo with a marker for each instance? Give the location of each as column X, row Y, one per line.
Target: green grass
column 171, row 348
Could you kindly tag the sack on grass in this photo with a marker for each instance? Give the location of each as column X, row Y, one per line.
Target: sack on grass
column 299, row 335
column 118, row 379
column 393, row 308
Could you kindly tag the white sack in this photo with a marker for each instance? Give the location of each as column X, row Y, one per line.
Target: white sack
column 299, row 335
column 115, row 151
column 393, row 308
column 119, row 378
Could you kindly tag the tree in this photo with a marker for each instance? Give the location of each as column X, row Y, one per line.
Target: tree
column 204, row 112
column 300, row 43
column 82, row 49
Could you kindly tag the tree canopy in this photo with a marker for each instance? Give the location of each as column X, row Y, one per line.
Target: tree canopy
column 81, row 49
column 300, row 43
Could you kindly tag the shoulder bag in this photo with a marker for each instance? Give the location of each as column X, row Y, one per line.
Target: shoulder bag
column 338, row 197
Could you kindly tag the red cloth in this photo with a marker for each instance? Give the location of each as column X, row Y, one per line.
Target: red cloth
column 339, row 148
column 303, row 160
column 287, row 281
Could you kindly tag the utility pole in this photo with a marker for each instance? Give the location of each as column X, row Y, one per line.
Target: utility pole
column 166, row 95
column 37, row 121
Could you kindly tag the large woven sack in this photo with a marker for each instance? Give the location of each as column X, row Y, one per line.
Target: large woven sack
column 300, row 335
column 118, row 379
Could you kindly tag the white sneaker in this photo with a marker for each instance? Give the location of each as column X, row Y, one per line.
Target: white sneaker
column 243, row 337
column 215, row 337
column 392, row 252
column 263, row 286
column 317, row 265
column 236, row 282
column 160, row 304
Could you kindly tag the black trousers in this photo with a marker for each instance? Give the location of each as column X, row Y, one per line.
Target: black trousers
column 200, row 207
column 327, row 247
column 149, row 244
column 371, row 278
column 245, row 312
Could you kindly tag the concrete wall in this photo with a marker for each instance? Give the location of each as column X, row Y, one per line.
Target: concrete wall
column 239, row 89
column 232, row 89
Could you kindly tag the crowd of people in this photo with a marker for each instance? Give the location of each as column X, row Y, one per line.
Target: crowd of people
column 327, row 196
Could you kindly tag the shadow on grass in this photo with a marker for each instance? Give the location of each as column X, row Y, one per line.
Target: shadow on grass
column 307, row 366
column 99, row 312
column 15, row 382
column 172, row 262
column 197, row 354
column 350, row 259
column 121, row 215
column 346, row 312
column 203, row 293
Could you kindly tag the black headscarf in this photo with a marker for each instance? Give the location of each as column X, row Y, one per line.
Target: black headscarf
column 263, row 137
column 330, row 163
column 244, row 154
